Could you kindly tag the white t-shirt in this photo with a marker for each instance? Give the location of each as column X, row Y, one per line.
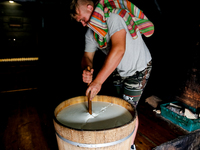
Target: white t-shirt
column 136, row 55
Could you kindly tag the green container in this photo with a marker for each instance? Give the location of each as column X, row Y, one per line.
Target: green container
column 184, row 122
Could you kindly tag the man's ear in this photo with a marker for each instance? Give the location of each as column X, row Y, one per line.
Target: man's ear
column 90, row 7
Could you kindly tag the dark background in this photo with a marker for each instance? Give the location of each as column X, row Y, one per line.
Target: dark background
column 30, row 90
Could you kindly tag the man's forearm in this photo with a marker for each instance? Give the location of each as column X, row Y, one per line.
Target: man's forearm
column 112, row 61
column 87, row 60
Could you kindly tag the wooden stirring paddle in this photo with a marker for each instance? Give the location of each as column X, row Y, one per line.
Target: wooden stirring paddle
column 89, row 105
column 89, row 101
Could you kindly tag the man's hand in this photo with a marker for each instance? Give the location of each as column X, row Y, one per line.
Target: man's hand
column 87, row 76
column 93, row 89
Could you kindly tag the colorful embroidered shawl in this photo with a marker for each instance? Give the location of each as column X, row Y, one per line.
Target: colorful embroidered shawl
column 132, row 15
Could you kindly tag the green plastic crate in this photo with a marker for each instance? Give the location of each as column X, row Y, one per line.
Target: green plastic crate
column 184, row 122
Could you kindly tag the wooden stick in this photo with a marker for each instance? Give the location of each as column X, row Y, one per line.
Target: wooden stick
column 89, row 104
column 89, row 101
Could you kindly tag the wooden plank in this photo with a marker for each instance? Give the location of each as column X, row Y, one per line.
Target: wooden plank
column 143, row 143
column 18, row 90
column 153, row 131
column 29, row 125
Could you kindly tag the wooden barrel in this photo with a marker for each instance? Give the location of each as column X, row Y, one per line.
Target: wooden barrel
column 118, row 138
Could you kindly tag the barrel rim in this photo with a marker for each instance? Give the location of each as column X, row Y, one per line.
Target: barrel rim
column 134, row 117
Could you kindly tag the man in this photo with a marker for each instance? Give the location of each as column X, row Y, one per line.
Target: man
column 115, row 29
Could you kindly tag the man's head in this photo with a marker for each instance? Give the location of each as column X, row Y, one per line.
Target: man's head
column 81, row 10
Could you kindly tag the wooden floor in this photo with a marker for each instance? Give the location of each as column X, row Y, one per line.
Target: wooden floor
column 29, row 95
column 26, row 123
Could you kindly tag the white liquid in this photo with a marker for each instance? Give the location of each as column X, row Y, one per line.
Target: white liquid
column 104, row 116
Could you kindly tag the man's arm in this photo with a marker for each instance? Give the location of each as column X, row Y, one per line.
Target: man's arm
column 113, row 59
column 87, row 60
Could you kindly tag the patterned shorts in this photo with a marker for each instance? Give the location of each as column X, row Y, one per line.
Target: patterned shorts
column 131, row 88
